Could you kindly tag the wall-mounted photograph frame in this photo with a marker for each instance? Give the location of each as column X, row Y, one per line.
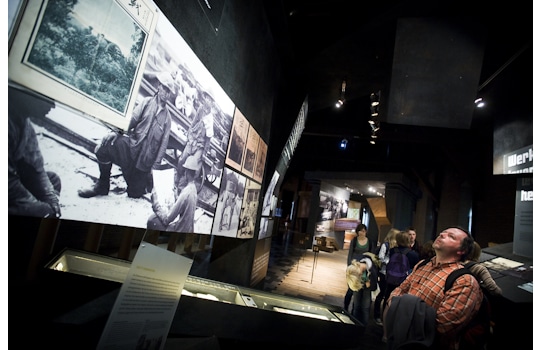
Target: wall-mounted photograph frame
column 262, row 149
column 229, row 204
column 237, row 141
column 87, row 55
column 248, row 212
column 250, row 154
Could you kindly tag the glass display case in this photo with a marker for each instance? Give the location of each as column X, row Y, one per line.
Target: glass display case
column 294, row 306
column 91, row 265
column 212, row 308
column 116, row 270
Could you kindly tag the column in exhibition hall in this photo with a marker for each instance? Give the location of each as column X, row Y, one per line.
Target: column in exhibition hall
column 400, row 205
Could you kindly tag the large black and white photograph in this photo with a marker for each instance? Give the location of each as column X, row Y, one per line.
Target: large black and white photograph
column 86, row 54
column 248, row 212
column 229, row 204
column 331, row 206
column 174, row 140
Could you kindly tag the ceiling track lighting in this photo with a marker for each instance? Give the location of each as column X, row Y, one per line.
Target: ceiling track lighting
column 341, row 99
column 374, row 99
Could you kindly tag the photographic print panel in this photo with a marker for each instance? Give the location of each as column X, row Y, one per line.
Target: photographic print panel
column 248, row 163
column 237, row 142
column 248, row 212
column 229, row 204
column 68, row 138
column 85, row 54
column 261, row 161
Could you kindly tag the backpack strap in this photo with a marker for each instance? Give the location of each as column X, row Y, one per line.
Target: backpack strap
column 469, row 264
column 420, row 264
column 455, row 274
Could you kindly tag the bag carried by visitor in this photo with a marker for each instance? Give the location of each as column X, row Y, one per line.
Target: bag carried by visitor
column 410, row 324
column 398, row 267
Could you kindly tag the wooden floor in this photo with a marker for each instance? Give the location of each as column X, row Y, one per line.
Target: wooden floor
column 318, row 277
column 315, row 276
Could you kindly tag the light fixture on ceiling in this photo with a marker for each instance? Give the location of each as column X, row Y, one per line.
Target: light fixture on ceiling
column 375, row 126
column 343, row 144
column 375, row 99
column 350, row 189
column 373, row 136
column 479, row 102
column 341, row 99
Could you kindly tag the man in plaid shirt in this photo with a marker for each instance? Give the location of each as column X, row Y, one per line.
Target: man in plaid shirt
column 455, row 308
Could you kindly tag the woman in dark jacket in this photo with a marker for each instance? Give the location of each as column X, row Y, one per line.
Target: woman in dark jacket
column 359, row 245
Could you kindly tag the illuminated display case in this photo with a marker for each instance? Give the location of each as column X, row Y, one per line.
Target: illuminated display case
column 91, row 265
column 213, row 308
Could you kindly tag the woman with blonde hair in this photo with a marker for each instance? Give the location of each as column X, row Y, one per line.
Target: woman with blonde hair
column 384, row 256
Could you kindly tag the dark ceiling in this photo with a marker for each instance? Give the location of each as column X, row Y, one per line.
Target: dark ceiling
column 429, row 60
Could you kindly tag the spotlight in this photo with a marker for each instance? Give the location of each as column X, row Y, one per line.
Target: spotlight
column 343, row 144
column 374, row 98
column 341, row 99
column 479, row 102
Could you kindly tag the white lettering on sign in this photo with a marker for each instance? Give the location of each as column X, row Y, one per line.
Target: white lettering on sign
column 518, row 159
column 519, row 171
column 526, row 196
